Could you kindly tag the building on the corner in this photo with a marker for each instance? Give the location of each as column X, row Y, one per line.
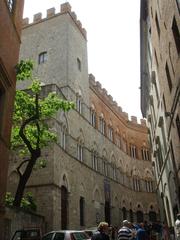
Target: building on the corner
column 10, row 31
column 100, row 168
column 160, row 97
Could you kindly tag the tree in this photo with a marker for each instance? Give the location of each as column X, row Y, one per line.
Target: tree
column 30, row 131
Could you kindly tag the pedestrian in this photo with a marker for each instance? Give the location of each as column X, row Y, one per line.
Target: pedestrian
column 102, row 232
column 165, row 231
column 133, row 229
column 177, row 227
column 141, row 233
column 125, row 232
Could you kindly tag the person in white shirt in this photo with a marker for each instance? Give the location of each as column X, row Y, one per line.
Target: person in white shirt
column 177, row 227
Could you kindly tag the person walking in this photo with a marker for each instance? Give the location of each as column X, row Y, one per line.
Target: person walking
column 102, row 232
column 125, row 233
column 141, row 233
column 177, row 227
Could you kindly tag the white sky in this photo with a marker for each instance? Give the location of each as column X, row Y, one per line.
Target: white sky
column 113, row 44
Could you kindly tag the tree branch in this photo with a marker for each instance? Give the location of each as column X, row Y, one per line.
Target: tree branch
column 37, row 123
column 20, row 165
column 26, row 122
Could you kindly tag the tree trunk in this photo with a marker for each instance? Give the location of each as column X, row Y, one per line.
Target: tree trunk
column 24, row 178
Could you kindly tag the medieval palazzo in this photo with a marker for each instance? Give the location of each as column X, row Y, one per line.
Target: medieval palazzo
column 100, row 168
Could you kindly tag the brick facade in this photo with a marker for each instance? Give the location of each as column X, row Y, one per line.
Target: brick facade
column 10, row 30
column 160, row 93
column 100, row 166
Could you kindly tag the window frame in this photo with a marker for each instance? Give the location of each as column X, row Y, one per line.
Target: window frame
column 42, row 57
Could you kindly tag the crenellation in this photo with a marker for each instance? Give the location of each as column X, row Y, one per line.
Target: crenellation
column 79, row 23
column 112, row 102
column 134, row 119
column 105, row 91
column 110, row 98
column 74, row 16
column 84, row 32
column 119, row 109
column 37, row 17
column 98, row 85
column 143, row 122
column 25, row 22
column 65, row 8
column 92, row 79
column 50, row 12
column 126, row 116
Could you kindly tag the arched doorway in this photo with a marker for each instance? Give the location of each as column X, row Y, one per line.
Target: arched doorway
column 131, row 216
column 140, row 216
column 152, row 216
column 124, row 213
column 107, row 212
column 64, row 207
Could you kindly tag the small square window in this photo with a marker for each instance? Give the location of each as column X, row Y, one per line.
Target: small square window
column 42, row 57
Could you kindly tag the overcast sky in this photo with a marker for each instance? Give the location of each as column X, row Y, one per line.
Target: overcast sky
column 113, row 44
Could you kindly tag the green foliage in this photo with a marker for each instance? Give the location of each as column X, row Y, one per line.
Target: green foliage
column 26, row 107
column 24, row 70
column 27, row 202
column 9, row 199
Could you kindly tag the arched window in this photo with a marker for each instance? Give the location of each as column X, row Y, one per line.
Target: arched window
column 95, row 160
column 102, row 124
column 145, row 154
column 93, row 116
column 80, row 150
column 105, row 167
column 133, row 151
column 110, row 133
column 79, row 103
column 152, row 216
column 42, row 57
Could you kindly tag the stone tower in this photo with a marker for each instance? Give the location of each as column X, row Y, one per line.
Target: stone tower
column 59, row 51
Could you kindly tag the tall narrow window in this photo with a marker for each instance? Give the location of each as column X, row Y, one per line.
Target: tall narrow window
column 42, row 57
column 78, row 104
column 63, row 137
column 95, row 160
column 2, row 102
column 168, row 77
column 80, row 152
column 11, row 4
column 93, row 117
column 159, row 153
column 155, row 54
column 178, row 125
column 110, row 133
column 105, row 167
column 176, row 35
column 133, row 151
column 145, row 154
column 157, row 25
column 79, row 64
column 102, row 125
column 81, row 208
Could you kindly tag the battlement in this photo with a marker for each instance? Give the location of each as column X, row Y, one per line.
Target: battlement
column 65, row 8
column 103, row 92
